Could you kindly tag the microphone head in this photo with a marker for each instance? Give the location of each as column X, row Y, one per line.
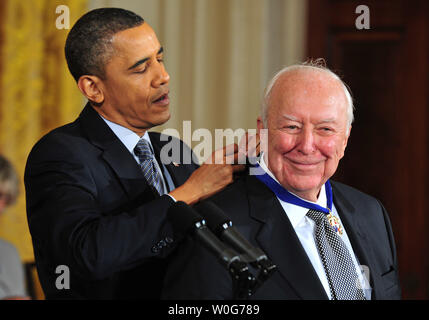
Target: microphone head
column 214, row 216
column 183, row 218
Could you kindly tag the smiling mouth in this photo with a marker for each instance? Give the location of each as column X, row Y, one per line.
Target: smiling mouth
column 304, row 164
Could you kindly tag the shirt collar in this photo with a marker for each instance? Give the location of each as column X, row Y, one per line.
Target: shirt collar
column 295, row 213
column 126, row 136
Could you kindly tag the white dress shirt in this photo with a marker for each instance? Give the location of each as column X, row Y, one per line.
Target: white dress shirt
column 304, row 228
column 130, row 140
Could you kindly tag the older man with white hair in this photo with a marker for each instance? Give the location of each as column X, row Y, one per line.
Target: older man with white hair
column 328, row 240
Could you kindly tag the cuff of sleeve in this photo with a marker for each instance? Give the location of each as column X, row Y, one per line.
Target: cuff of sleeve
column 171, row 197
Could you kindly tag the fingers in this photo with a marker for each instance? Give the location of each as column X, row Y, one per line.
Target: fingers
column 238, row 167
column 225, row 155
column 253, row 145
column 249, row 146
column 244, row 142
column 207, row 180
column 231, row 149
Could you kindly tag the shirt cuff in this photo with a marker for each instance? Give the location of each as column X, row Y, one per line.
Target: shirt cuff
column 171, row 197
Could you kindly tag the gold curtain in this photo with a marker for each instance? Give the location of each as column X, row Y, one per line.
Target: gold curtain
column 37, row 93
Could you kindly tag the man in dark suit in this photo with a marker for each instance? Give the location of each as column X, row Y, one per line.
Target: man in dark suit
column 328, row 240
column 98, row 189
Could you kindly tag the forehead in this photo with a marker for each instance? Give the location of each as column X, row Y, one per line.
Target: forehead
column 308, row 93
column 138, row 42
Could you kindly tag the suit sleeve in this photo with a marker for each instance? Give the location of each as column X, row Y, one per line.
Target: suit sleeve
column 194, row 273
column 69, row 226
column 391, row 278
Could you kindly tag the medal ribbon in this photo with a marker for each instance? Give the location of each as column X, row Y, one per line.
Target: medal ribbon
column 286, row 196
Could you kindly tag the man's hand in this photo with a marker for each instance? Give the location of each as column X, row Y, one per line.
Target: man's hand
column 249, row 147
column 213, row 175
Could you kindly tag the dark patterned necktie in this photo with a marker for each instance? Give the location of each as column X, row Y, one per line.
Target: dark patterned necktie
column 337, row 262
column 146, row 158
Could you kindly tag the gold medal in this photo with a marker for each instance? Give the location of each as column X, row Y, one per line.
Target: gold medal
column 335, row 223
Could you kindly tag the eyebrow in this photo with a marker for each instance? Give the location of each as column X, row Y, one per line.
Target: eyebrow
column 161, row 50
column 292, row 118
column 330, row 120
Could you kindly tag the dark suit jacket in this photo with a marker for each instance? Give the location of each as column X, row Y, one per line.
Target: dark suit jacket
column 90, row 208
column 194, row 273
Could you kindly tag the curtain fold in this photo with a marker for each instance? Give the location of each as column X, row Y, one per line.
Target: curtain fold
column 37, row 93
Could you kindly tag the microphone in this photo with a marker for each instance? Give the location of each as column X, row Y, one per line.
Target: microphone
column 186, row 220
column 222, row 226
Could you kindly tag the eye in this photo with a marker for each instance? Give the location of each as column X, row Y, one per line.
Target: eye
column 142, row 68
column 292, row 127
column 326, row 130
column 141, row 71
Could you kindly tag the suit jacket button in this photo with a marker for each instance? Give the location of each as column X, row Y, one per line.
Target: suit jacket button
column 155, row 249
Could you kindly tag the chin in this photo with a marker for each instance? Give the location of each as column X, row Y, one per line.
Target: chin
column 161, row 118
column 302, row 184
column 165, row 118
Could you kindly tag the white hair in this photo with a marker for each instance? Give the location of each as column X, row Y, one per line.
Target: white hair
column 318, row 64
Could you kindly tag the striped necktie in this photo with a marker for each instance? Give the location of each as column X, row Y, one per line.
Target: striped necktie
column 146, row 158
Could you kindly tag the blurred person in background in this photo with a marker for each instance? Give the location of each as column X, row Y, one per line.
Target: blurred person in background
column 12, row 278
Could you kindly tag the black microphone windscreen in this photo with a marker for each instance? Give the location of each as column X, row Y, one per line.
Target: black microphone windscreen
column 182, row 217
column 214, row 216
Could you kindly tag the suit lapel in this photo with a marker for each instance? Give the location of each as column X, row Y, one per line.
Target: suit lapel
column 278, row 239
column 356, row 233
column 115, row 154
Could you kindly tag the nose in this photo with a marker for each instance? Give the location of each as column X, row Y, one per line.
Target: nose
column 306, row 145
column 161, row 76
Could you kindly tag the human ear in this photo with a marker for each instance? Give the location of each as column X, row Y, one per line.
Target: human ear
column 91, row 87
column 349, row 130
column 259, row 124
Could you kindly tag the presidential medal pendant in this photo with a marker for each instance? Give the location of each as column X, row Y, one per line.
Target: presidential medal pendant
column 335, row 223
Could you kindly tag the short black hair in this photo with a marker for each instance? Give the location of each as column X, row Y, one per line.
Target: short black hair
column 89, row 43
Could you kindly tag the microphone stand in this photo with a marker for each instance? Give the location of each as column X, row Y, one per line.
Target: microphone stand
column 243, row 280
column 266, row 269
column 244, row 283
